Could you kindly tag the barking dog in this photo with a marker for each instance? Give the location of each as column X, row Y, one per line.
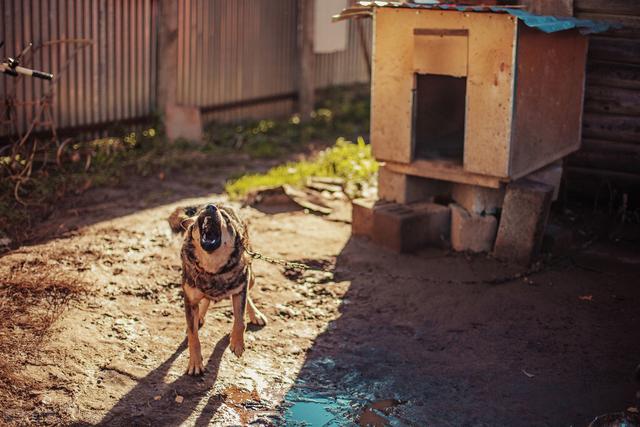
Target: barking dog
column 215, row 265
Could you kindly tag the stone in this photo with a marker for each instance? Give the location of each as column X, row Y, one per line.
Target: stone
column 471, row 231
column 400, row 188
column 524, row 216
column 478, row 199
column 362, row 215
column 550, row 175
column 183, row 123
column 408, row 227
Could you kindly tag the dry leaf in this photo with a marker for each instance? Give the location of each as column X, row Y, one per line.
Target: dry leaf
column 158, row 397
column 527, row 374
column 179, row 399
column 585, row 297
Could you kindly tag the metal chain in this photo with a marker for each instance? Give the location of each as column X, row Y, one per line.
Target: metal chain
column 285, row 263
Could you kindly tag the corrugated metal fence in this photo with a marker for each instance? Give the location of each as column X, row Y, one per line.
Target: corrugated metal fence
column 111, row 79
column 237, row 59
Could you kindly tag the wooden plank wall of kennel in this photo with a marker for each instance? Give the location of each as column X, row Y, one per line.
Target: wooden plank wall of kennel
column 611, row 133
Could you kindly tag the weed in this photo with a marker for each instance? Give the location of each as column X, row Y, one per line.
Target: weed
column 352, row 162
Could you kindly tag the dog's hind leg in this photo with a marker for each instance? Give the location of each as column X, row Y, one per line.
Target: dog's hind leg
column 255, row 316
column 203, row 306
column 239, row 302
column 192, row 297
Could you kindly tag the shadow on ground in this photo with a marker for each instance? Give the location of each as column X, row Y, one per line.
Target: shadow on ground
column 138, row 407
column 428, row 342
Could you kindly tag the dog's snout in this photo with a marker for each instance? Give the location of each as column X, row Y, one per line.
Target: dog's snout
column 210, row 209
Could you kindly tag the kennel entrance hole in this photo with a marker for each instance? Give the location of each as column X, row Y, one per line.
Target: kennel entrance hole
column 439, row 115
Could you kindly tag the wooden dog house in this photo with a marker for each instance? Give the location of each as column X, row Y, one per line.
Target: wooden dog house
column 474, row 95
column 466, row 100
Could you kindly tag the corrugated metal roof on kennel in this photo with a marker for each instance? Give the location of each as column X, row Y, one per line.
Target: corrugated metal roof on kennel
column 547, row 24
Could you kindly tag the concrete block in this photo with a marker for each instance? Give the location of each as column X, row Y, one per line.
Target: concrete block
column 550, row 175
column 478, row 199
column 183, row 122
column 471, row 231
column 362, row 215
column 406, row 228
column 400, row 188
column 523, row 220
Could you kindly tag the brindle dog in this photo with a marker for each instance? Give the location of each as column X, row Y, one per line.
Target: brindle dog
column 215, row 265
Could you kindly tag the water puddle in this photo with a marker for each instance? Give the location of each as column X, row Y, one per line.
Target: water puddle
column 311, row 408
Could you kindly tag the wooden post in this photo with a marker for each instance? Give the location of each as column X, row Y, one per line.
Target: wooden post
column 167, row 54
column 180, row 121
column 306, row 58
column 550, row 7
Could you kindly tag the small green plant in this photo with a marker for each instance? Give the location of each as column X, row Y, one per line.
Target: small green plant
column 352, row 162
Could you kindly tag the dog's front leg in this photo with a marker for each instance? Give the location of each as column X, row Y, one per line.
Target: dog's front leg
column 191, row 301
column 239, row 302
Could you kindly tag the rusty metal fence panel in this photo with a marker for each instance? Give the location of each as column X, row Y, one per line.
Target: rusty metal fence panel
column 234, row 56
column 113, row 79
column 237, row 59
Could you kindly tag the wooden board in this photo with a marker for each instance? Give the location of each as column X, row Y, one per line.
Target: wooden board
column 620, row 7
column 441, row 52
column 614, row 49
column 445, row 171
column 549, row 96
column 612, row 127
column 610, row 100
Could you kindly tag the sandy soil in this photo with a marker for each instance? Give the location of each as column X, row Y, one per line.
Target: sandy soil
column 370, row 335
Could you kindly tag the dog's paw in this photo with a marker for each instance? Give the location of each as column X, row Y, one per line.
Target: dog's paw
column 258, row 319
column 237, row 345
column 195, row 366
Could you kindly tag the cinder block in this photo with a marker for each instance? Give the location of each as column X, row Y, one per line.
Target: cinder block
column 471, row 231
column 478, row 199
column 550, row 175
column 435, row 229
column 400, row 188
column 406, row 228
column 523, row 220
column 362, row 215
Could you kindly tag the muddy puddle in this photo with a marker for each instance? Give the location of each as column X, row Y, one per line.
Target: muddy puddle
column 312, row 407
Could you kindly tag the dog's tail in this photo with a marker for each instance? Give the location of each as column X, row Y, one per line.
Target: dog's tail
column 179, row 216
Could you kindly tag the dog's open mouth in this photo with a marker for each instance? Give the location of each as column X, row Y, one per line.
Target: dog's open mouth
column 210, row 233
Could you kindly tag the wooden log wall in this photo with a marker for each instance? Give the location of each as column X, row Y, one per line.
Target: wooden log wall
column 610, row 152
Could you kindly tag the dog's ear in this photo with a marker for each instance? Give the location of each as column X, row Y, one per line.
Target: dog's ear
column 187, row 222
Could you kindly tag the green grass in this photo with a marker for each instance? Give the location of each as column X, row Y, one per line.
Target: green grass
column 352, row 162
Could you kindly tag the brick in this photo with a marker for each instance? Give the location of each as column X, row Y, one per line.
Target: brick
column 523, row 220
column 400, row 188
column 406, row 228
column 362, row 215
column 471, row 231
column 550, row 175
column 478, row 199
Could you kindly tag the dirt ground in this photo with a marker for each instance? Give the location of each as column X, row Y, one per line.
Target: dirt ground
column 370, row 336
